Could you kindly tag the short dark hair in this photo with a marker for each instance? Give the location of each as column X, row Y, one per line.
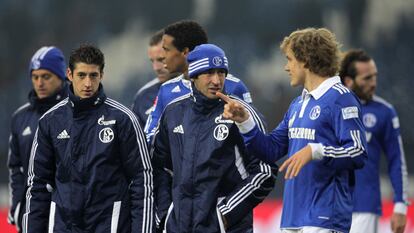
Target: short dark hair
column 156, row 38
column 88, row 54
column 348, row 68
column 186, row 34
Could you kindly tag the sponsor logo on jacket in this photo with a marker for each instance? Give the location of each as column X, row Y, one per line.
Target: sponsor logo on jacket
column 101, row 121
column 220, row 120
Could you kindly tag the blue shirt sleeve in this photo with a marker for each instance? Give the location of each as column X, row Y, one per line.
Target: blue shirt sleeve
column 394, row 152
column 350, row 151
column 242, row 92
column 270, row 147
column 153, row 118
column 235, row 87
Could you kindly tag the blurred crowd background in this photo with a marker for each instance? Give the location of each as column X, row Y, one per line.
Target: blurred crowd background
column 248, row 30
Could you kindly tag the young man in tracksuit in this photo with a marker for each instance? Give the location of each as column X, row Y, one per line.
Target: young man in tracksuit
column 89, row 168
column 322, row 134
column 205, row 180
column 359, row 73
column 178, row 40
column 145, row 97
column 47, row 72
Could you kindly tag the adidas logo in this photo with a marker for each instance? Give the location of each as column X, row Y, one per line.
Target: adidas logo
column 63, row 135
column 179, row 129
column 176, row 89
column 27, row 131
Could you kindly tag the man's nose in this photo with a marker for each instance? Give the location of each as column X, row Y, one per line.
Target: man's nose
column 88, row 82
column 39, row 82
column 215, row 79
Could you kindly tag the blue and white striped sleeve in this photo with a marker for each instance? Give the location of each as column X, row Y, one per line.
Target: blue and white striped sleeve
column 154, row 116
column 349, row 150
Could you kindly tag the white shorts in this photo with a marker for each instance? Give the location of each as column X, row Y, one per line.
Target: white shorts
column 310, row 230
column 364, row 222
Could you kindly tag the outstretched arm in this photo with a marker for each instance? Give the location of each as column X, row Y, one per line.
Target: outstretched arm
column 268, row 148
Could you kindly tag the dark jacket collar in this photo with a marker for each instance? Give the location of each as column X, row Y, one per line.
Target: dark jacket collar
column 203, row 104
column 44, row 104
column 80, row 106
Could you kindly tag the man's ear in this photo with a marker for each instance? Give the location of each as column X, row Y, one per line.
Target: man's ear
column 186, row 51
column 348, row 81
column 69, row 74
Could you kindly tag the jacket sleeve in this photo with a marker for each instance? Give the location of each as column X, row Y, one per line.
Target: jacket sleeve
column 350, row 153
column 41, row 173
column 136, row 163
column 258, row 182
column 394, row 152
column 161, row 159
column 16, row 177
column 154, row 117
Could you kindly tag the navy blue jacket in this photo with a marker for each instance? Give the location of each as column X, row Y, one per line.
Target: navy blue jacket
column 202, row 170
column 23, row 128
column 144, row 100
column 89, row 170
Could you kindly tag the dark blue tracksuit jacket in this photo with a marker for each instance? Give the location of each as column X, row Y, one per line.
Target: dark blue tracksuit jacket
column 89, row 170
column 23, row 128
column 202, row 171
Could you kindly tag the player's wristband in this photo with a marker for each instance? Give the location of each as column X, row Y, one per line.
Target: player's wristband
column 247, row 125
column 317, row 151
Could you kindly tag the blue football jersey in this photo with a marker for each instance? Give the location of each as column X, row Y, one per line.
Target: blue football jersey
column 329, row 118
column 383, row 135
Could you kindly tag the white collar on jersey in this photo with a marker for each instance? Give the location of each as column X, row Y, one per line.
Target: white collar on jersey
column 322, row 88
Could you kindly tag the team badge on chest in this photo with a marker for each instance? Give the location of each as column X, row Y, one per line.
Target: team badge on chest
column 221, row 132
column 315, row 112
column 106, row 135
column 369, row 120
